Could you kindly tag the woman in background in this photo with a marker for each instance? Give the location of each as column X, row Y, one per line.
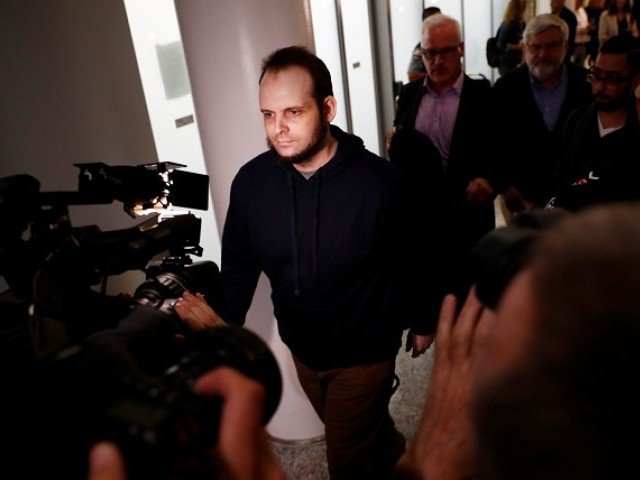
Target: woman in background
column 583, row 34
column 594, row 10
column 510, row 36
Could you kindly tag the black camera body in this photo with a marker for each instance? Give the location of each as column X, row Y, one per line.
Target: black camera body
column 133, row 386
column 167, row 279
column 501, row 253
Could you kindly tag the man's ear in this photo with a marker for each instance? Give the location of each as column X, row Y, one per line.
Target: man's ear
column 329, row 107
column 462, row 49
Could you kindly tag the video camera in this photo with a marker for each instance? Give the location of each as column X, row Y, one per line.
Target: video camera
column 82, row 365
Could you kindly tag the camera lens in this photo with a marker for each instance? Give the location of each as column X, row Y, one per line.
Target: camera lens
column 169, row 279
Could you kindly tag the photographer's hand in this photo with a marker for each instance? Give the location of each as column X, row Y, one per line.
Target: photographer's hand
column 243, row 447
column 243, row 450
column 444, row 446
column 196, row 312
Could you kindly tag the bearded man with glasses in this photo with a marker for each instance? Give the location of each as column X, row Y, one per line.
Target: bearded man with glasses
column 601, row 154
column 442, row 144
column 533, row 103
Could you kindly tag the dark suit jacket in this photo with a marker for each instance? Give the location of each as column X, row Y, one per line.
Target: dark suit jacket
column 442, row 193
column 528, row 154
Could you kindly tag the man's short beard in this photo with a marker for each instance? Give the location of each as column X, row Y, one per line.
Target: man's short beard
column 613, row 104
column 315, row 145
column 544, row 71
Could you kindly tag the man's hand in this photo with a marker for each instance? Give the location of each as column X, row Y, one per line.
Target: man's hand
column 196, row 312
column 418, row 344
column 389, row 137
column 479, row 191
column 515, row 202
column 444, row 446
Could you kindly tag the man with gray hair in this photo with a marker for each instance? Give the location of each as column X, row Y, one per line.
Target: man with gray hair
column 534, row 102
column 442, row 127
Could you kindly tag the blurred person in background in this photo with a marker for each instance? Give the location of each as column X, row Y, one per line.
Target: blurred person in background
column 510, row 36
column 615, row 20
column 559, row 8
column 594, row 10
column 583, row 34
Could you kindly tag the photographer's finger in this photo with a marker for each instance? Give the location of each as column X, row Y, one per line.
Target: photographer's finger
column 208, row 314
column 243, row 401
column 187, row 314
column 202, row 310
column 463, row 333
column 241, row 442
column 483, row 330
column 445, row 324
column 106, row 463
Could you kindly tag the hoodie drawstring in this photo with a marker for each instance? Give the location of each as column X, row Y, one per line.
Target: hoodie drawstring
column 316, row 220
column 294, row 237
column 293, row 225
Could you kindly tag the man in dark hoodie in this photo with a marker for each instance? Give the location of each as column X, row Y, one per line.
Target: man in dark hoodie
column 328, row 222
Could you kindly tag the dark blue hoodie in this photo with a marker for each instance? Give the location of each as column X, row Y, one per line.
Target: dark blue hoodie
column 338, row 251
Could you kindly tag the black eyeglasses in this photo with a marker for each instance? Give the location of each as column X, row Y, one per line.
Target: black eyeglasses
column 595, row 75
column 446, row 52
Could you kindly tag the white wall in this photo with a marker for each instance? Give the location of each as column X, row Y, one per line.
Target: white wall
column 406, row 30
column 363, row 97
column 544, row 6
column 477, row 28
column 453, row 8
column 327, row 47
column 355, row 56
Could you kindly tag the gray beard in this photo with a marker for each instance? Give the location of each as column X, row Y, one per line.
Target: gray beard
column 544, row 71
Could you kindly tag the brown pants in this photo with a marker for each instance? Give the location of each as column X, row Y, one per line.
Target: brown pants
column 353, row 403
